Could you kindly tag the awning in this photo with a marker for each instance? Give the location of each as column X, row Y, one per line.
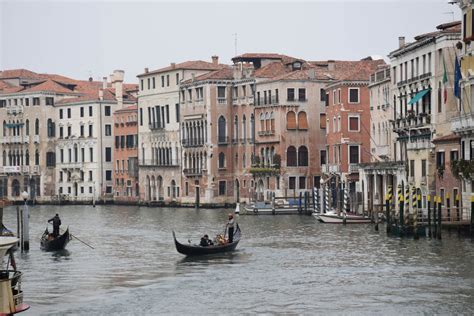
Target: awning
column 418, row 96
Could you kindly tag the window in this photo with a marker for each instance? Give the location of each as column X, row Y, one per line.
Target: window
column 141, row 117
column 302, row 120
column 153, row 82
column 51, row 128
column 82, row 131
column 167, row 107
column 222, row 185
column 412, row 168
column 162, row 81
column 177, row 112
column 108, row 130
column 353, row 154
column 90, row 111
column 82, row 111
column 290, row 92
column 440, row 160
column 291, row 120
column 90, row 131
column 107, row 110
column 61, row 155
column 302, row 183
column 303, row 156
column 60, row 113
column 353, row 95
column 141, row 84
column 167, row 80
column 322, row 95
column 221, row 161
column 177, row 78
column 322, row 120
column 91, row 154
column 50, row 159
column 148, row 83
column 292, row 183
column 454, row 155
column 339, row 96
column 36, row 101
column 69, row 113
column 222, row 130
column 37, row 126
column 302, row 94
column 354, row 124
column 69, row 131
column 220, row 92
column 108, row 175
column 423, row 167
column 322, row 157
column 291, row 157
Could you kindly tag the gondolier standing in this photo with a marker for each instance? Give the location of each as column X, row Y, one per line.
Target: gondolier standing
column 56, row 224
column 230, row 226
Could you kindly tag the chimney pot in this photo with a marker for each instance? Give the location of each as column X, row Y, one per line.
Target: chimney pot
column 104, row 83
column 401, row 41
column 146, row 70
column 331, row 65
column 173, row 65
column 90, row 79
column 215, row 60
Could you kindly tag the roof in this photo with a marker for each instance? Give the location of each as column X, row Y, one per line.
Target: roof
column 49, row 85
column 252, row 56
column 18, row 73
column 191, row 65
column 341, row 70
column 131, row 108
column 446, row 138
column 226, row 73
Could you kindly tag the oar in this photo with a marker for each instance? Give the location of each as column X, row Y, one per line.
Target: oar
column 80, row 240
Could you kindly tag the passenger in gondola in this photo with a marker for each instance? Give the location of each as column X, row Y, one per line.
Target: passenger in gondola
column 56, row 224
column 230, row 228
column 205, row 241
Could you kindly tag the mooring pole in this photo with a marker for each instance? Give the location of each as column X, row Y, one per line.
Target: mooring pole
column 273, row 203
column 26, row 227
column 429, row 215
column 448, row 208
column 20, row 223
column 435, row 220
column 471, row 228
column 415, row 218
column 439, row 217
column 387, row 209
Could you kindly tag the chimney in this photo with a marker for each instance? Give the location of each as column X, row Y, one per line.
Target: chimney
column 118, row 86
column 101, row 95
column 146, row 70
column 312, row 74
column 215, row 60
column 331, row 65
column 90, row 79
column 401, row 41
column 104, row 82
column 173, row 65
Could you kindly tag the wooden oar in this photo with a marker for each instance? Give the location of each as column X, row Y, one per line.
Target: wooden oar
column 79, row 240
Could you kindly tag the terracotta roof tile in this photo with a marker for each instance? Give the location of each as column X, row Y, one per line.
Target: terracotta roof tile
column 18, row 73
column 50, row 86
column 339, row 70
column 192, row 65
column 446, row 138
column 226, row 73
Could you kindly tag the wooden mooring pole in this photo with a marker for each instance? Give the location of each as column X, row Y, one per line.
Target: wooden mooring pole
column 429, row 215
column 439, row 218
column 435, row 223
column 387, row 209
column 471, row 227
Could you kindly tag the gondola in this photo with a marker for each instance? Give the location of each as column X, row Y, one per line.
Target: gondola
column 58, row 243
column 196, row 250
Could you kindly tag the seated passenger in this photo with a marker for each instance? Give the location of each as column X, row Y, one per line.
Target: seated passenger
column 205, row 241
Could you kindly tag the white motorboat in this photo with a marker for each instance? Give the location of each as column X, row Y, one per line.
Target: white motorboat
column 333, row 218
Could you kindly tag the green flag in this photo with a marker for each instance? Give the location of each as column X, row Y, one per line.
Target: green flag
column 445, row 82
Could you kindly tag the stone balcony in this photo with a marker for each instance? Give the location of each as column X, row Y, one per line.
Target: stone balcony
column 411, row 121
column 15, row 110
column 193, row 172
column 463, row 124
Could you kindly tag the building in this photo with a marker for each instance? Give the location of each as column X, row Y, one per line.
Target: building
column 85, row 140
column 348, row 127
column 463, row 124
column 159, row 106
column 125, row 174
column 423, row 102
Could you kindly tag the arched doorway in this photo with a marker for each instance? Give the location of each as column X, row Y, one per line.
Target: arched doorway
column 237, row 191
column 173, row 189
column 159, row 183
column 32, row 188
column 198, row 193
column 15, row 187
column 153, row 188
column 147, row 189
column 260, row 189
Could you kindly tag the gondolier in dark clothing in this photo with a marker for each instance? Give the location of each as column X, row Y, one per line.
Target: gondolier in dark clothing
column 56, row 224
column 230, row 227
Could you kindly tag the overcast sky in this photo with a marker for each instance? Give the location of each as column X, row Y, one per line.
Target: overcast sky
column 92, row 38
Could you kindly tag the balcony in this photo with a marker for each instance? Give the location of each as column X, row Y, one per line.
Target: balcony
column 155, row 163
column 223, row 140
column 353, row 168
column 10, row 169
column 26, row 139
column 192, row 142
column 250, row 100
column 334, row 168
column 266, row 133
column 419, row 144
column 463, row 124
column 15, row 110
column 324, row 168
column 71, row 165
column 156, row 126
column 25, row 169
column 193, row 172
column 412, row 121
column 221, row 100
column 199, row 102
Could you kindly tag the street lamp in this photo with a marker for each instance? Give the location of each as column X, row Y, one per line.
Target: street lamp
column 26, row 223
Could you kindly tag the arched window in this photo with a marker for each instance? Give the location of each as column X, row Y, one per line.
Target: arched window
column 236, row 128
column 303, row 156
column 4, row 157
column 27, row 157
column 37, row 158
column 37, row 127
column 267, row 121
column 302, row 120
column 291, row 120
column 4, row 128
column 27, row 127
column 262, row 121
column 272, row 121
column 221, row 160
column 291, row 157
column 252, row 127
column 50, row 128
column 244, row 127
column 222, row 130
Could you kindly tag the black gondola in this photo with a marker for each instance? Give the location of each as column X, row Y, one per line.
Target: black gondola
column 58, row 243
column 196, row 250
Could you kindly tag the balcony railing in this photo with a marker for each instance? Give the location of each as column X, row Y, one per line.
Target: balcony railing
column 15, row 110
column 221, row 100
column 412, row 121
column 26, row 139
column 250, row 99
column 162, row 164
column 223, row 140
column 334, row 168
column 192, row 142
column 156, row 125
column 266, row 133
column 353, row 168
column 71, row 165
column 463, row 123
column 419, row 144
column 325, row 168
column 192, row 172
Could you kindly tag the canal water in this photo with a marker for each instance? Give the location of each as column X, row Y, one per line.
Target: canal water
column 284, row 264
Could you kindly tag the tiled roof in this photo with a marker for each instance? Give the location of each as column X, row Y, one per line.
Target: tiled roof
column 249, row 56
column 18, row 73
column 131, row 108
column 446, row 138
column 226, row 73
column 340, row 70
column 271, row 70
column 192, row 65
column 50, row 86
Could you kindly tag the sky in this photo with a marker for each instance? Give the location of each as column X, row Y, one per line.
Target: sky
column 82, row 39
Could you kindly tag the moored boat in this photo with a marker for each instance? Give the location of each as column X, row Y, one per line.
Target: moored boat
column 49, row 243
column 334, row 218
column 197, row 250
column 11, row 295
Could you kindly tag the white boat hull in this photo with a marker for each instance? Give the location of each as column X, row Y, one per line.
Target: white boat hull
column 332, row 218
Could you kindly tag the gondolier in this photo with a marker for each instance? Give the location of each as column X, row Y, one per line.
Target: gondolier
column 230, row 226
column 56, row 224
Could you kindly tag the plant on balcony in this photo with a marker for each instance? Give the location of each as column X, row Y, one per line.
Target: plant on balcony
column 440, row 171
column 462, row 168
column 256, row 161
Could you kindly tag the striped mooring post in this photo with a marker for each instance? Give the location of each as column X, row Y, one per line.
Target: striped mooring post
column 400, row 205
column 458, row 213
column 316, row 200
column 407, row 206
column 388, row 206
column 346, row 198
column 415, row 217
column 326, row 198
column 448, row 207
column 414, row 205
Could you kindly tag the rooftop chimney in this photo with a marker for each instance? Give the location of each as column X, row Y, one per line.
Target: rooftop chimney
column 312, row 73
column 401, row 41
column 101, row 95
column 104, row 82
column 146, row 70
column 90, row 79
column 173, row 65
column 118, row 86
column 215, row 60
column 331, row 65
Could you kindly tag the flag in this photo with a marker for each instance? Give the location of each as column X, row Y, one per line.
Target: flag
column 445, row 82
column 457, row 78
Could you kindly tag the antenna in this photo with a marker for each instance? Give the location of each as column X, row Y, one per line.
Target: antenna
column 235, row 43
column 451, row 13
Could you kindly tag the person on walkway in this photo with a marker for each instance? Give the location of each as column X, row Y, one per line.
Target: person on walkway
column 230, row 228
column 56, row 224
column 205, row 241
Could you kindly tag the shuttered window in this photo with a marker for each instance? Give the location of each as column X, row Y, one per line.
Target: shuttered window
column 353, row 124
column 291, row 120
column 302, row 120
